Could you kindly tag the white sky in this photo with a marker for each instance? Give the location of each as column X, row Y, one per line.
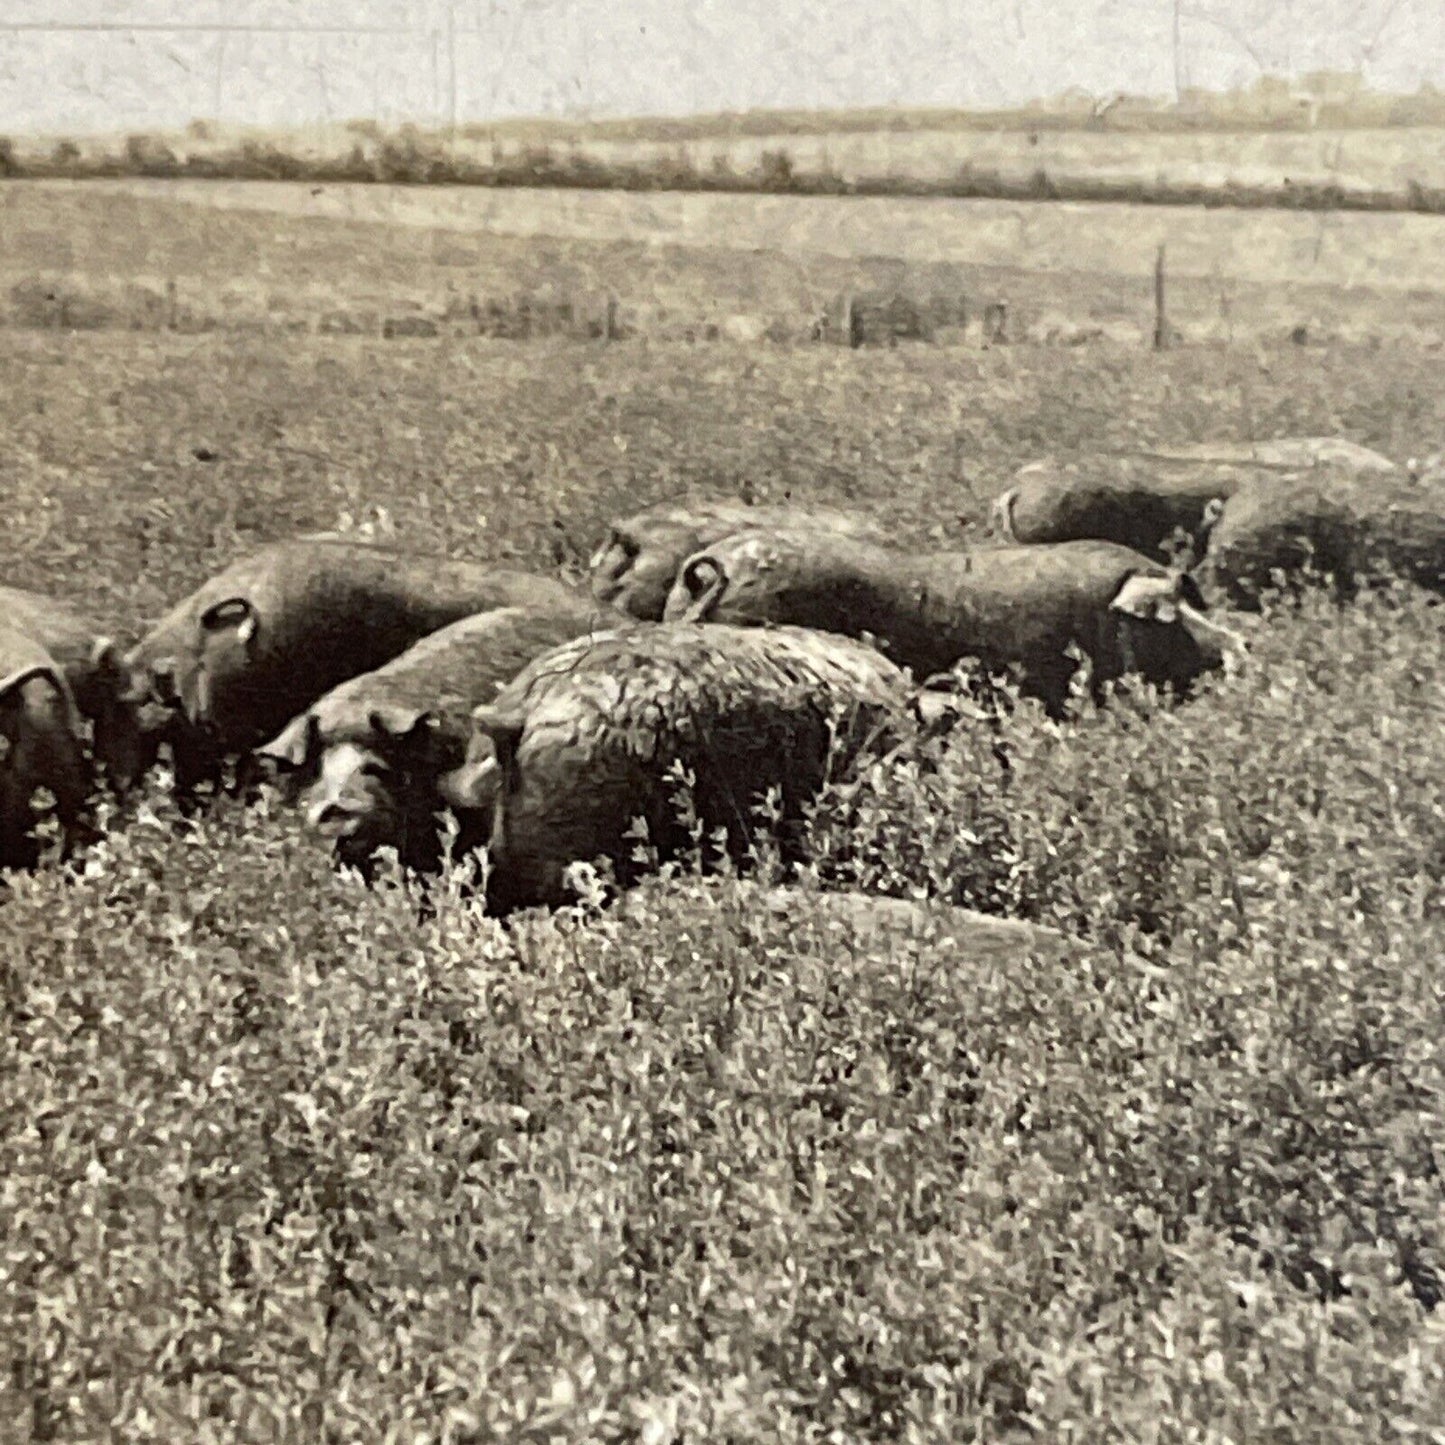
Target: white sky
column 71, row 66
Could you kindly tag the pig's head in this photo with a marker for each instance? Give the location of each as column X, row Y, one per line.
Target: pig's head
column 634, row 567
column 198, row 675
column 1165, row 634
column 39, row 751
column 369, row 786
column 127, row 724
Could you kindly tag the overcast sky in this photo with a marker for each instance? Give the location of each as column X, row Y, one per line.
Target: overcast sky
column 70, row 66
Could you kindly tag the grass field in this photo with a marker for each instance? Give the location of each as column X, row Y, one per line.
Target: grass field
column 152, row 255
column 279, row 1161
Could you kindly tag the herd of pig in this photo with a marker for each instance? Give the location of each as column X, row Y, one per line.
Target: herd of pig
column 753, row 650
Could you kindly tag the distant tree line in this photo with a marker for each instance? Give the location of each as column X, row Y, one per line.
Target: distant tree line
column 411, row 157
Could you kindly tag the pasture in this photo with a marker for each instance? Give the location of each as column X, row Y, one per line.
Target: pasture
column 283, row 1161
column 345, row 259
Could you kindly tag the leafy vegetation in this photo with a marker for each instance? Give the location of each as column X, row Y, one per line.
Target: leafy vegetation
column 698, row 1168
column 284, row 1157
column 409, row 158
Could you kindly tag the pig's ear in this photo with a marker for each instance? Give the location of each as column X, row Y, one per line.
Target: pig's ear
column 1149, row 598
column 105, row 657
column 13, row 703
column 400, row 723
column 503, row 728
column 293, row 747
column 235, row 615
column 699, row 588
column 419, row 739
column 471, row 787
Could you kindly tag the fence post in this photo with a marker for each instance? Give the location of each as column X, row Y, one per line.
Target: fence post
column 1161, row 319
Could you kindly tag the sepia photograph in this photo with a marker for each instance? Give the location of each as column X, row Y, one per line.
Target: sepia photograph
column 722, row 722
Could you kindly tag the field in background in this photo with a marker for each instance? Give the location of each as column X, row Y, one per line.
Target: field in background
column 135, row 462
column 186, row 256
column 283, row 1161
column 397, row 348
column 430, row 364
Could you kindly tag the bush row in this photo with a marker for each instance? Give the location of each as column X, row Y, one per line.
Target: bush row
column 410, row 159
